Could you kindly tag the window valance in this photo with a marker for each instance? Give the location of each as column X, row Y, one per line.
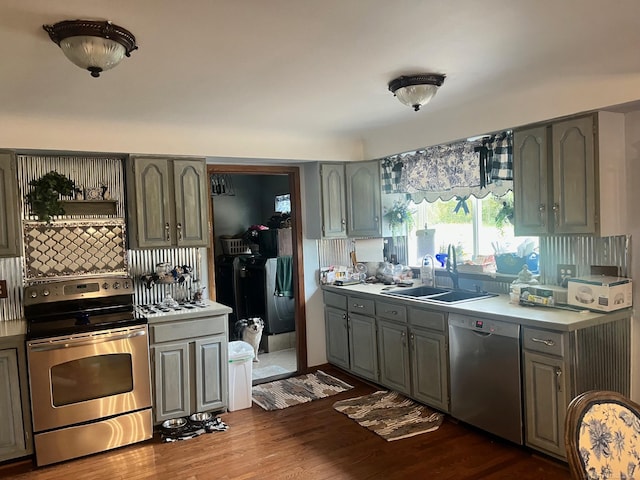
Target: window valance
column 446, row 171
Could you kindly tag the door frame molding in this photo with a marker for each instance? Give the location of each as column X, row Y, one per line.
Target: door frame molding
column 293, row 174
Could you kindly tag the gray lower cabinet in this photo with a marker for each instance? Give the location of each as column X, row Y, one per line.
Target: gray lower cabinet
column 413, row 353
column 15, row 428
column 351, row 334
column 363, row 352
column 189, row 369
column 337, row 336
column 546, row 389
column 429, row 368
column 395, row 370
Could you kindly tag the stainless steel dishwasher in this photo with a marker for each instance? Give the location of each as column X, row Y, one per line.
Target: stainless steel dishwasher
column 484, row 358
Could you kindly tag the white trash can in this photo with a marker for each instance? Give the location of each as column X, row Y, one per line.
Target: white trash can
column 240, row 375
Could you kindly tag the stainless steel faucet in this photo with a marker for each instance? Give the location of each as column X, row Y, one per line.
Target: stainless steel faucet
column 452, row 270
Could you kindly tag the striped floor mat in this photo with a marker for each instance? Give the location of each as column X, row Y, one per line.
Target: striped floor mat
column 296, row 390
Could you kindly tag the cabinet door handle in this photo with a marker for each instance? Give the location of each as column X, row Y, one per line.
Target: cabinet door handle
column 556, row 213
column 542, row 209
column 179, row 227
column 356, row 305
column 391, row 312
column 343, row 221
column 404, row 338
column 166, row 229
column 344, row 316
column 558, row 372
column 547, row 342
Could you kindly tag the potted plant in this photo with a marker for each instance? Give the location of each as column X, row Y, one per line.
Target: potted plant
column 505, row 214
column 44, row 197
column 398, row 216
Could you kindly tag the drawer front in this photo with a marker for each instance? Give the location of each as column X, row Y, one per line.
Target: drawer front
column 391, row 311
column 543, row 341
column 186, row 329
column 335, row 300
column 428, row 319
column 364, row 306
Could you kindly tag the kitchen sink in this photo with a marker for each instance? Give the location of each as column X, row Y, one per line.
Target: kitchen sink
column 439, row 295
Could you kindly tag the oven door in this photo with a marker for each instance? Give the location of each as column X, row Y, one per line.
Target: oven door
column 80, row 378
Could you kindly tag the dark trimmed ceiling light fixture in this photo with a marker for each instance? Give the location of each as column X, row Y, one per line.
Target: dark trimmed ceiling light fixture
column 416, row 90
column 92, row 45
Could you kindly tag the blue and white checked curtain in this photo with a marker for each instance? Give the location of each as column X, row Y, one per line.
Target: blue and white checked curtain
column 455, row 170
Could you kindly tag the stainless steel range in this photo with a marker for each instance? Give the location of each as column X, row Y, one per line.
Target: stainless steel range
column 88, row 354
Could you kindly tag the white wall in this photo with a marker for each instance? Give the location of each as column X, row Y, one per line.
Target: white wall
column 632, row 140
column 316, row 342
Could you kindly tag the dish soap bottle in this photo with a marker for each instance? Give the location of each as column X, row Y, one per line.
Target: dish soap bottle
column 427, row 272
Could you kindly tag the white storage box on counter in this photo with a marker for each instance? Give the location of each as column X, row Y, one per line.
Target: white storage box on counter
column 240, row 375
column 600, row 293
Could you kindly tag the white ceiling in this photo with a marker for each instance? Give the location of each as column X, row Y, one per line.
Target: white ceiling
column 280, row 70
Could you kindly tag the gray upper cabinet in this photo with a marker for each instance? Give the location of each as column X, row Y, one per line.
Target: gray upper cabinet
column 574, row 185
column 167, row 202
column 363, row 199
column 9, row 225
column 334, row 218
column 530, row 181
column 559, row 170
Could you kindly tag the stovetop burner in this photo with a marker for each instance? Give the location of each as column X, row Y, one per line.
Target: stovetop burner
column 151, row 309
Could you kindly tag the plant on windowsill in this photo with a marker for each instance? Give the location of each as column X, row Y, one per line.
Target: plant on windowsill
column 44, row 197
column 504, row 215
column 399, row 216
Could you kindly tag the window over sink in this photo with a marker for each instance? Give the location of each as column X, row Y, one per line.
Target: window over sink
column 477, row 227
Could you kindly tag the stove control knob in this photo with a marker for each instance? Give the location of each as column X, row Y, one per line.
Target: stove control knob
column 45, row 292
column 105, row 286
column 34, row 294
column 125, row 285
column 116, row 285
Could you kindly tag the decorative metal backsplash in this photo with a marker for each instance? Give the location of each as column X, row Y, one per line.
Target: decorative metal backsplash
column 86, row 173
column 74, row 248
column 144, row 262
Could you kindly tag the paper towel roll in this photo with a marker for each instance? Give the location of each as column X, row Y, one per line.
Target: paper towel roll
column 369, row 250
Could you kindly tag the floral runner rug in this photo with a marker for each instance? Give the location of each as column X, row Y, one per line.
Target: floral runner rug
column 390, row 415
column 294, row 391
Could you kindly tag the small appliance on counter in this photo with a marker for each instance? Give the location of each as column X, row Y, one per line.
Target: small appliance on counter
column 600, row 293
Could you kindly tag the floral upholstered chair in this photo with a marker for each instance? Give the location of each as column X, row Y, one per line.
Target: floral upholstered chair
column 602, row 437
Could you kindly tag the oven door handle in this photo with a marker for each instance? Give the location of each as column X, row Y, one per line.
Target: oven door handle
column 78, row 342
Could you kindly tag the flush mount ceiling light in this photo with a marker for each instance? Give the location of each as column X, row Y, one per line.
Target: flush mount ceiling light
column 416, row 90
column 93, row 45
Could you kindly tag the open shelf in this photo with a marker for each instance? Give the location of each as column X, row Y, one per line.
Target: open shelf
column 89, row 207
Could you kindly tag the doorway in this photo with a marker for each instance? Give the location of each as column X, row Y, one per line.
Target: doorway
column 272, row 363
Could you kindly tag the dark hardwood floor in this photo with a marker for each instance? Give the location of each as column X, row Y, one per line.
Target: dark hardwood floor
column 309, row 441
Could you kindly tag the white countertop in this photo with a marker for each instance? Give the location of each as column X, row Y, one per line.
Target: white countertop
column 208, row 309
column 496, row 308
column 13, row 328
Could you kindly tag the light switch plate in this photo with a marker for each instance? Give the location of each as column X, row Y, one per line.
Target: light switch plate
column 3, row 289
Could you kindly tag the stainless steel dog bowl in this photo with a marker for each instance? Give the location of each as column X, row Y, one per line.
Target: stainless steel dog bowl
column 201, row 417
column 174, row 423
